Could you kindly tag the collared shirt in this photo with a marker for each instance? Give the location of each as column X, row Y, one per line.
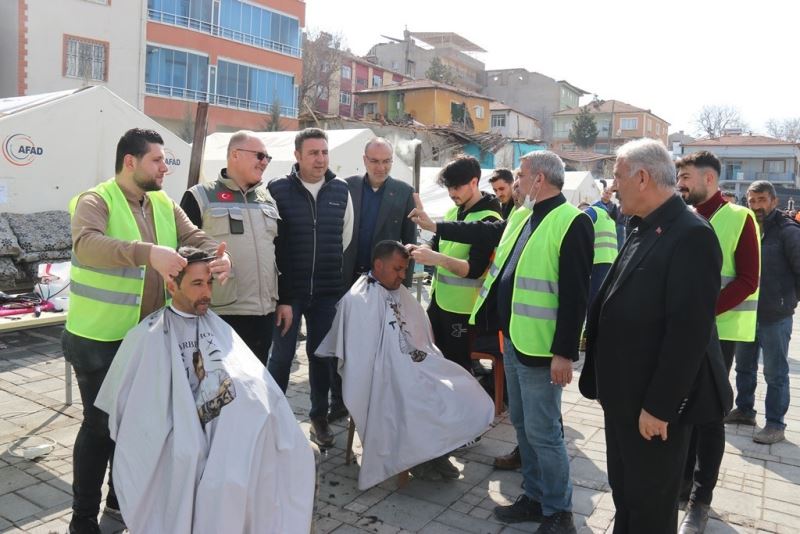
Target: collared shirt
column 370, row 206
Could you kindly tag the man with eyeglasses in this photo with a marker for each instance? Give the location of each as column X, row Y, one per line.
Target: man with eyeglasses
column 380, row 206
column 238, row 209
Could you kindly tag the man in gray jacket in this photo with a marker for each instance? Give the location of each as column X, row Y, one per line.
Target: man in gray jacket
column 238, row 209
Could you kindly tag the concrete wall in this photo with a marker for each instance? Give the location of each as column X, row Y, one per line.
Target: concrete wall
column 119, row 24
column 530, row 92
column 9, row 44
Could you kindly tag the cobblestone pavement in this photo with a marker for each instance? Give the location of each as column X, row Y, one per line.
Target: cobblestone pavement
column 758, row 489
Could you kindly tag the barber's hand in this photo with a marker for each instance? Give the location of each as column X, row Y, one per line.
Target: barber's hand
column 419, row 216
column 283, row 315
column 166, row 261
column 560, row 370
column 425, row 256
column 221, row 266
column 651, row 426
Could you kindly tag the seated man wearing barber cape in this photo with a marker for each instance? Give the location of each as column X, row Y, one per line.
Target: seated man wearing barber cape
column 411, row 406
column 205, row 440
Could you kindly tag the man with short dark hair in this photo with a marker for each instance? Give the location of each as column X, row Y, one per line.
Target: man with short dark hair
column 410, row 405
column 460, row 268
column 780, row 288
column 315, row 228
column 206, row 442
column 124, row 235
column 652, row 354
column 238, row 208
column 735, row 227
column 502, row 181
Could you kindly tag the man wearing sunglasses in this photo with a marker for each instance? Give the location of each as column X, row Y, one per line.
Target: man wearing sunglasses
column 238, row 206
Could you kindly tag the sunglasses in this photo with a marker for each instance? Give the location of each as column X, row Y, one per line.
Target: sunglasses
column 261, row 156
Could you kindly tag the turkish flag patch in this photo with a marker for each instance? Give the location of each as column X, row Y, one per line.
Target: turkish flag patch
column 225, row 196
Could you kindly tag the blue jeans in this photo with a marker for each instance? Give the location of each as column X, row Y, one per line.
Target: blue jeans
column 535, row 408
column 319, row 314
column 773, row 341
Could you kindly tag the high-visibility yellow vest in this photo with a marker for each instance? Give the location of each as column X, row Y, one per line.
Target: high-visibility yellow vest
column 534, row 298
column 105, row 303
column 605, row 237
column 454, row 293
column 739, row 323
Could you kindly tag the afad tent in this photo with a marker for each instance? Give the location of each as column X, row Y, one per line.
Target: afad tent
column 57, row 145
column 346, row 150
column 578, row 187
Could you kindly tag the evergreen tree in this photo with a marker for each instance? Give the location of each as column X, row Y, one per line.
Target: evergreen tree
column 583, row 131
column 439, row 72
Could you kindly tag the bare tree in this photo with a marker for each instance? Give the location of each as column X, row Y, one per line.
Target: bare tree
column 786, row 129
column 185, row 128
column 272, row 122
column 322, row 58
column 713, row 120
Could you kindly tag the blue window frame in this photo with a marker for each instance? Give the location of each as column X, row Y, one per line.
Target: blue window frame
column 176, row 73
column 246, row 87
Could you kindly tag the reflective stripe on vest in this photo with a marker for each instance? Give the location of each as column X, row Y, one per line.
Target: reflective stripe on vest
column 738, row 323
column 454, row 293
column 534, row 300
column 605, row 237
column 106, row 302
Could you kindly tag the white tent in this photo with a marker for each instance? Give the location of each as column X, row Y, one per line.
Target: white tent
column 346, row 148
column 578, row 187
column 56, row 145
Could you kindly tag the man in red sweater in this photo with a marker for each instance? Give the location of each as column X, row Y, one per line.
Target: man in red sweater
column 735, row 226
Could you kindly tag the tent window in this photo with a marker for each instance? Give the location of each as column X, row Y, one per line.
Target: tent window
column 85, row 58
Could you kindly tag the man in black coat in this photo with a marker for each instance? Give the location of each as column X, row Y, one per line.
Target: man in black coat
column 653, row 358
column 380, row 208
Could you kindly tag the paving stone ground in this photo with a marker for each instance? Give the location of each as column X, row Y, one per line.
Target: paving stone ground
column 757, row 491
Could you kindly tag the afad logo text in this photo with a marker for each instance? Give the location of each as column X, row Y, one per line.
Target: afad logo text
column 19, row 149
column 171, row 160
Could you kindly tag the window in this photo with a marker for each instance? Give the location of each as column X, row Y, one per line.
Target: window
column 176, row 73
column 478, row 112
column 775, row 165
column 347, row 72
column 370, row 108
column 345, row 98
column 323, row 93
column 658, row 128
column 377, row 80
column 630, row 123
column 649, row 125
column 255, row 89
column 236, row 20
column 85, row 58
column 498, row 120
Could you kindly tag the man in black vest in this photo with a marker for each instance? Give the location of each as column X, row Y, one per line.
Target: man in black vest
column 315, row 228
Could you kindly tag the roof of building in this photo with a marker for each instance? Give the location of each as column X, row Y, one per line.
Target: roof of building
column 575, row 88
column 500, row 106
column 439, row 38
column 492, row 72
column 606, row 106
column 739, row 140
column 370, row 63
column 415, row 85
column 581, row 156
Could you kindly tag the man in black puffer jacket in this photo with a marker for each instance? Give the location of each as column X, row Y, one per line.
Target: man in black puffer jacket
column 780, row 288
column 315, row 227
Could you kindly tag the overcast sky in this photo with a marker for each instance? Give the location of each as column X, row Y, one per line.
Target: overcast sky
column 671, row 57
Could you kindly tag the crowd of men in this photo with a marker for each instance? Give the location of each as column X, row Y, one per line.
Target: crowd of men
column 525, row 267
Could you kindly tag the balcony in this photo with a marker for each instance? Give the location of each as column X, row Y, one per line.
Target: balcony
column 216, row 99
column 752, row 176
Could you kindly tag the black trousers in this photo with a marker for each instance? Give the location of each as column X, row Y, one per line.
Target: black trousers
column 451, row 334
column 706, row 448
column 94, row 449
column 643, row 478
column 255, row 330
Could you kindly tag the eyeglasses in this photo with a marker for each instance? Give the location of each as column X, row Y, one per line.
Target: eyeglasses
column 261, row 156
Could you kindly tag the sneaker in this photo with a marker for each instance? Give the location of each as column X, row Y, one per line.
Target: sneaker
column 83, row 525
column 770, row 434
column 426, row 471
column 112, row 507
column 320, row 433
column 558, row 523
column 740, row 417
column 523, row 509
column 471, row 443
column 445, row 467
column 337, row 412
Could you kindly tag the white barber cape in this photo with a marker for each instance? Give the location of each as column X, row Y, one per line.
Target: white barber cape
column 205, row 440
column 409, row 403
